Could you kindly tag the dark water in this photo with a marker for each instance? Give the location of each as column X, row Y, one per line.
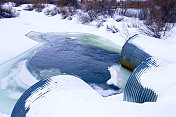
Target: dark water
column 65, row 55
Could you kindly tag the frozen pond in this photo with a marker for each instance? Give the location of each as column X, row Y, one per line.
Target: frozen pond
column 83, row 55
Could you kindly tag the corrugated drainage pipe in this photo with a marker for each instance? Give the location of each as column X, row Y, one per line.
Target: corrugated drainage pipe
column 134, row 90
column 131, row 55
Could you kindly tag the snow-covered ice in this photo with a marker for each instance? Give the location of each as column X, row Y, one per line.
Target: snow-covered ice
column 22, row 78
column 119, row 76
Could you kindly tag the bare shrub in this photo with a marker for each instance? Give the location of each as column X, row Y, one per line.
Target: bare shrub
column 157, row 18
column 97, row 10
column 67, row 11
column 39, row 7
column 143, row 13
column 84, row 18
column 29, row 7
column 64, row 12
column 51, row 12
column 99, row 24
column 20, row 2
column 123, row 7
column 72, row 10
column 90, row 16
column 7, row 12
column 119, row 19
column 112, row 29
column 128, row 8
column 157, row 28
column 62, row 3
column 104, row 7
column 125, row 33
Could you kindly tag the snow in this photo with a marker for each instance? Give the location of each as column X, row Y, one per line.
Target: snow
column 164, row 49
column 119, row 76
column 3, row 115
column 12, row 39
column 161, row 79
column 103, row 92
column 73, row 97
column 13, row 84
column 24, row 79
column 68, row 92
column 70, row 96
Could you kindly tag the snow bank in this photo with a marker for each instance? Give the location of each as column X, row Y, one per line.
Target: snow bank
column 69, row 96
column 103, row 92
column 156, row 47
column 4, row 115
column 161, row 78
column 12, row 39
column 119, row 76
column 65, row 96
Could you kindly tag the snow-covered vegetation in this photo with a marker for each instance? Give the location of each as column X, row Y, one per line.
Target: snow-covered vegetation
column 115, row 20
column 157, row 16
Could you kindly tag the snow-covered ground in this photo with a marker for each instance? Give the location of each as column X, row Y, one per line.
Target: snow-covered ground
column 4, row 115
column 13, row 42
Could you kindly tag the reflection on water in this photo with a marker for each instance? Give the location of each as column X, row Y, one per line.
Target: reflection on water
column 83, row 55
